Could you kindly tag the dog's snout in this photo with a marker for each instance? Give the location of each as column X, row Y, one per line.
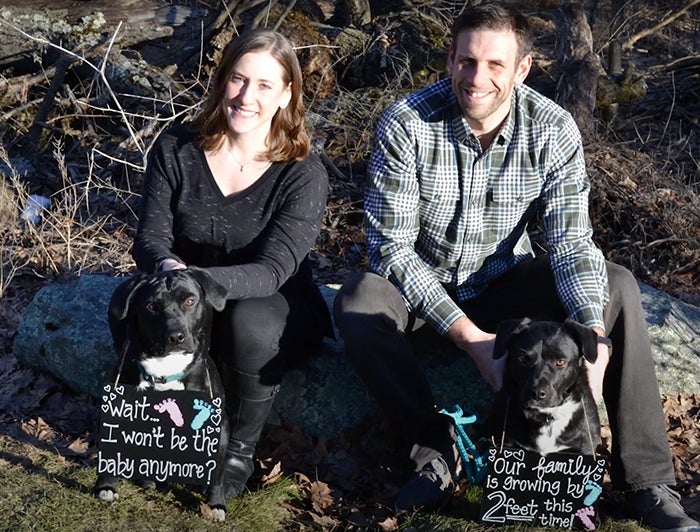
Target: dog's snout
column 539, row 395
column 176, row 337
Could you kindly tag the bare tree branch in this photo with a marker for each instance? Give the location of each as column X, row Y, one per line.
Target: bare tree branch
column 665, row 22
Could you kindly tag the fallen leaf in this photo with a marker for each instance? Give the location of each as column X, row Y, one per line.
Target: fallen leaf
column 320, row 496
column 78, row 446
column 389, row 524
column 273, row 476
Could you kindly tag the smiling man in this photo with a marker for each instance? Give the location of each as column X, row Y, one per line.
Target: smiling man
column 459, row 170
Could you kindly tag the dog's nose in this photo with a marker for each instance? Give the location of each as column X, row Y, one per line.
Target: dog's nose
column 539, row 395
column 176, row 338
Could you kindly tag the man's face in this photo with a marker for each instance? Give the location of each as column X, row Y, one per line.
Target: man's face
column 484, row 69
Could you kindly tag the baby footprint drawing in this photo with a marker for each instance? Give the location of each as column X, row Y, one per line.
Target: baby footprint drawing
column 585, row 514
column 170, row 406
column 205, row 412
column 595, row 491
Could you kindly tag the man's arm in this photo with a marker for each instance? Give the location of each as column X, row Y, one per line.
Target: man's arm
column 392, row 224
column 577, row 263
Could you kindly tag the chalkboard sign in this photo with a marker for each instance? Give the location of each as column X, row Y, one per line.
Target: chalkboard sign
column 162, row 436
column 558, row 490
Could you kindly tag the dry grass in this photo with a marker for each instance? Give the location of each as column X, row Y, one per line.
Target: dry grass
column 40, row 490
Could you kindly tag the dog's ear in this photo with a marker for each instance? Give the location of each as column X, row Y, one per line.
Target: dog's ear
column 506, row 329
column 122, row 296
column 585, row 337
column 213, row 291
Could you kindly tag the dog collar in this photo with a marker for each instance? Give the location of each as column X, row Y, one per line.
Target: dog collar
column 156, row 379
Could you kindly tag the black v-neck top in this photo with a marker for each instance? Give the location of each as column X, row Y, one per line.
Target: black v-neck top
column 254, row 242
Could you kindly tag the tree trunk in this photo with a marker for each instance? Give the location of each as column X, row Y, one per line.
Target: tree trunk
column 579, row 66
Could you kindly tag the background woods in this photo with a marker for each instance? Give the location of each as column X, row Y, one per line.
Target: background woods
column 86, row 86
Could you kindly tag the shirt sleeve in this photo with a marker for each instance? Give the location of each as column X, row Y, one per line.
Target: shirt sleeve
column 154, row 236
column 577, row 263
column 392, row 221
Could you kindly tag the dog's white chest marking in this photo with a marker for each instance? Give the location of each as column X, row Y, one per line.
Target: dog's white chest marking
column 162, row 371
column 546, row 440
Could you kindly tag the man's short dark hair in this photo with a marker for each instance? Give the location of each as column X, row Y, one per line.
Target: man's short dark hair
column 495, row 17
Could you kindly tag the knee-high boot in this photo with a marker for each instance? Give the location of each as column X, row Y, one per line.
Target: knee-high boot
column 248, row 406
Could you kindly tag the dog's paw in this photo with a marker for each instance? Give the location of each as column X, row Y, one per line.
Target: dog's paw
column 106, row 494
column 212, row 514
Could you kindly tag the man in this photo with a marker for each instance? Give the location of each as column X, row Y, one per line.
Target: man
column 458, row 170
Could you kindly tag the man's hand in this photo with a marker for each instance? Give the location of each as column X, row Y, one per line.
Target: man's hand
column 478, row 345
column 596, row 371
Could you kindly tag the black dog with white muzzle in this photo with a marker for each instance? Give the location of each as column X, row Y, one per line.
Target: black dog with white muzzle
column 546, row 404
column 161, row 327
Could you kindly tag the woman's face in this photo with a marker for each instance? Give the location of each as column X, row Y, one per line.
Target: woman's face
column 254, row 92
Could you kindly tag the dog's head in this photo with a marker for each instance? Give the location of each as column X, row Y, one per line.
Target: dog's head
column 166, row 312
column 545, row 360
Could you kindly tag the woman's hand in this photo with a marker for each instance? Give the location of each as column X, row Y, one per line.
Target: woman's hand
column 170, row 264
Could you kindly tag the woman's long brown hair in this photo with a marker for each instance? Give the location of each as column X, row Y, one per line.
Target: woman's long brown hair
column 287, row 139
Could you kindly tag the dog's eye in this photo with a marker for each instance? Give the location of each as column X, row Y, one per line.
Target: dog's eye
column 522, row 360
column 189, row 302
column 151, row 307
column 561, row 362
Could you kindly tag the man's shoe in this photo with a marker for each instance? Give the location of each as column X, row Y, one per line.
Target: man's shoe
column 427, row 488
column 659, row 508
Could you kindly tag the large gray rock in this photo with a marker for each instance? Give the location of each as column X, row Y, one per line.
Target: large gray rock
column 64, row 333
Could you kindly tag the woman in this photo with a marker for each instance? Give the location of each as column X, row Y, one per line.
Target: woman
column 239, row 194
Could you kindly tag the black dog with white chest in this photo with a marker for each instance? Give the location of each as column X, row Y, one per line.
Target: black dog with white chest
column 546, row 404
column 161, row 327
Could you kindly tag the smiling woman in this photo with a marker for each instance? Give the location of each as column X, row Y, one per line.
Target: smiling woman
column 239, row 194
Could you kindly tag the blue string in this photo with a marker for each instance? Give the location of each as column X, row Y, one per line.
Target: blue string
column 473, row 464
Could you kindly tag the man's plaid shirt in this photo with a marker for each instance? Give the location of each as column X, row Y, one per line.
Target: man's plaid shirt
column 444, row 219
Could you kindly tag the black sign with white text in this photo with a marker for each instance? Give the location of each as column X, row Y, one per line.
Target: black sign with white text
column 557, row 490
column 162, row 436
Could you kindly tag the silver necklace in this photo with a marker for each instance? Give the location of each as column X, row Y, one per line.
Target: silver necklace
column 242, row 165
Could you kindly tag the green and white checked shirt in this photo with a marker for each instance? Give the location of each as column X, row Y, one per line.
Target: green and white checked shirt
column 444, row 216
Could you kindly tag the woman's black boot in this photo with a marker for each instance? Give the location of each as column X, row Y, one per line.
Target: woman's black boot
column 248, row 416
